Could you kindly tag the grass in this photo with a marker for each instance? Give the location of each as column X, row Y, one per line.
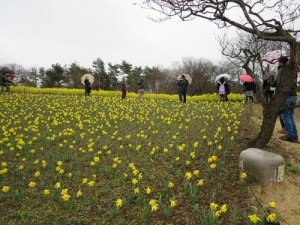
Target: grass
column 111, row 150
column 292, row 168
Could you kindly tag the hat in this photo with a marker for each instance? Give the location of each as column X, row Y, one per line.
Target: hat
column 283, row 59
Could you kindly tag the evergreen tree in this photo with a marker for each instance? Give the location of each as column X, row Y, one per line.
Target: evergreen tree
column 54, row 77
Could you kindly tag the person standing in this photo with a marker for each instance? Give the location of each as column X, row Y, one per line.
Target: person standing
column 123, row 88
column 141, row 90
column 287, row 108
column 268, row 79
column 87, row 87
column 249, row 91
column 5, row 83
column 223, row 89
column 182, row 85
column 269, row 90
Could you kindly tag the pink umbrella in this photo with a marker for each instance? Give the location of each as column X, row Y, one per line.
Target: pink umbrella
column 246, row 78
column 272, row 57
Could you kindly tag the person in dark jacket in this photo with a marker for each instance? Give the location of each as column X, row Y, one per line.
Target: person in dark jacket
column 5, row 83
column 87, row 87
column 141, row 91
column 268, row 89
column 249, row 91
column 223, row 95
column 123, row 88
column 287, row 108
column 182, row 85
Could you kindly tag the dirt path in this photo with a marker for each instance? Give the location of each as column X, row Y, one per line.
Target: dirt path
column 287, row 193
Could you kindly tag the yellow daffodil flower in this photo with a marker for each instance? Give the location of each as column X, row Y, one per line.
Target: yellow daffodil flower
column 79, row 193
column 148, row 190
column 170, row 185
column 5, row 189
column 66, row 197
column 213, row 166
column 173, row 203
column 119, row 202
column 31, row 184
column 91, row 183
column 152, row 202
column 188, row 175
column 271, row 217
column 224, row 208
column 46, row 192
column 136, row 191
column 57, row 185
column 272, row 204
column 196, row 144
column 243, row 175
column 154, row 208
column 64, row 191
column 84, row 180
column 213, row 206
column 196, row 172
column 135, row 181
column 254, row 218
column 200, row 182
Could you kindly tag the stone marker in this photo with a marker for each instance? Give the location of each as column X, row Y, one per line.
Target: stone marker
column 266, row 167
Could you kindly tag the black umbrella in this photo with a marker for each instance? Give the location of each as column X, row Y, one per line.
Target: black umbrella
column 7, row 71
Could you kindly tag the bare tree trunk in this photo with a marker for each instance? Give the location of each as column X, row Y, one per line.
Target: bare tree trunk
column 270, row 114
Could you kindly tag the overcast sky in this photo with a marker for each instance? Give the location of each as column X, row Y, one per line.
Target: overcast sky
column 44, row 32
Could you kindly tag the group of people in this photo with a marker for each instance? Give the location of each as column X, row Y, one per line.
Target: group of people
column 141, row 86
column 270, row 84
column 286, row 114
column 223, row 89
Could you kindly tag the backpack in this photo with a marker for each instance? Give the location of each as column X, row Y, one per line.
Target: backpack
column 222, row 90
column 181, row 82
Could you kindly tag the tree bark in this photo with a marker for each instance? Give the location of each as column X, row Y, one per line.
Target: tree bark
column 267, row 127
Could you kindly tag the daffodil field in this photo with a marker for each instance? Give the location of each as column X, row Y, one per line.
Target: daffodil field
column 70, row 159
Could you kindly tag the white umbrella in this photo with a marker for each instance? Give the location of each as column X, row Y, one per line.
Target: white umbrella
column 225, row 75
column 122, row 76
column 187, row 77
column 88, row 76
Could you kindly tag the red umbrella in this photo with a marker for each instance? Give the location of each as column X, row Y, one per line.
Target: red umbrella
column 246, row 78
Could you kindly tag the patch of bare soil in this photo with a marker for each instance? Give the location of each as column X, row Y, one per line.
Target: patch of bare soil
column 286, row 194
